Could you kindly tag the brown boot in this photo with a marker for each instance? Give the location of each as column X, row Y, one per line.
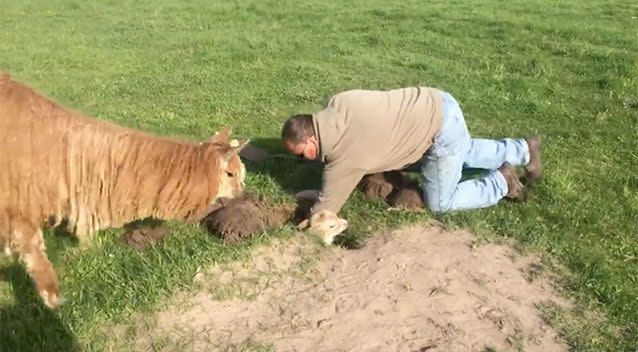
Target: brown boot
column 533, row 169
column 515, row 189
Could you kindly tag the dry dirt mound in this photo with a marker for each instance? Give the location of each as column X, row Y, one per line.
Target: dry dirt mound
column 418, row 289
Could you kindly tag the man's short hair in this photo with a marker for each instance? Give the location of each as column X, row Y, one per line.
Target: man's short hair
column 298, row 128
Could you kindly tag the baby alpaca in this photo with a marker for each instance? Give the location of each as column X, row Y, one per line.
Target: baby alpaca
column 325, row 223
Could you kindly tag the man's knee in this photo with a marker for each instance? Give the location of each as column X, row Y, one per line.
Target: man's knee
column 438, row 206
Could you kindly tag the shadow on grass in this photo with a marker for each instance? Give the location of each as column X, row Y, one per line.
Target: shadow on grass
column 292, row 173
column 28, row 325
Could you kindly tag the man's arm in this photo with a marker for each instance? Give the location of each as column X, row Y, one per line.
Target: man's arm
column 338, row 184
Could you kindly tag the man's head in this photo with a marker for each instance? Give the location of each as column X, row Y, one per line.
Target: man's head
column 298, row 135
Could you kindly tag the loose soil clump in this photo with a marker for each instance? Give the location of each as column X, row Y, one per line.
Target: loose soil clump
column 240, row 218
column 144, row 237
column 392, row 187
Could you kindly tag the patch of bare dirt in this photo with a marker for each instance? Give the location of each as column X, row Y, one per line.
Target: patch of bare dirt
column 416, row 289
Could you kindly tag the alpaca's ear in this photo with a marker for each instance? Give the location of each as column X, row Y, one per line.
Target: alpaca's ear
column 221, row 137
column 233, row 147
column 304, row 224
column 238, row 145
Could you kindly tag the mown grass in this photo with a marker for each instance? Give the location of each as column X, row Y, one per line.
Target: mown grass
column 566, row 70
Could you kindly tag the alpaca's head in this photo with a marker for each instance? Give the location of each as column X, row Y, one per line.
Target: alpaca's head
column 231, row 171
column 325, row 223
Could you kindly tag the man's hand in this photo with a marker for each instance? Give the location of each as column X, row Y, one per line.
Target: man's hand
column 305, row 201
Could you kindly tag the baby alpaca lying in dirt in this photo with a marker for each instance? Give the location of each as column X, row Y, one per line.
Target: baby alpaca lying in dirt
column 239, row 219
column 324, row 223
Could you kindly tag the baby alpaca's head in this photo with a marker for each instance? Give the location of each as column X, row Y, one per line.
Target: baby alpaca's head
column 325, row 223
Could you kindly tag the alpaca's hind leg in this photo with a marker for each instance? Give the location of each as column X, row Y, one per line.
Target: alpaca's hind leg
column 29, row 242
column 84, row 232
column 86, row 240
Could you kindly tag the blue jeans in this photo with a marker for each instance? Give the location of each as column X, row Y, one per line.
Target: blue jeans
column 452, row 151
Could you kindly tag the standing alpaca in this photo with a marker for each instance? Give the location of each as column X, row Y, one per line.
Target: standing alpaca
column 57, row 164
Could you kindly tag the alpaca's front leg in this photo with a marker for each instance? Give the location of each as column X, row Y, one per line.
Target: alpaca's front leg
column 29, row 242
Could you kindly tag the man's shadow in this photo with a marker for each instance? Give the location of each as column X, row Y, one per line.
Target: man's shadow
column 27, row 324
column 291, row 172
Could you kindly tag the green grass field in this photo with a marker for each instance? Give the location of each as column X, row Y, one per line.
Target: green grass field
column 567, row 70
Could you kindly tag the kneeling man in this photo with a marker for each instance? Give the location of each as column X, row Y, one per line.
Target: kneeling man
column 361, row 132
